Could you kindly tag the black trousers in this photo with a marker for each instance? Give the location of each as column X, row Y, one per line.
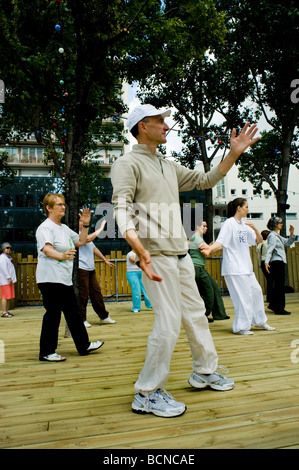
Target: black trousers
column 59, row 298
column 277, row 270
column 269, row 282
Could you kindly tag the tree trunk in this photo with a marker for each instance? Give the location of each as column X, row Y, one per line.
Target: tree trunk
column 209, row 215
column 209, row 198
column 283, row 178
column 73, row 199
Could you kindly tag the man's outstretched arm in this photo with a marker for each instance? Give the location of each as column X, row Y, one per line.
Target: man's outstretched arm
column 238, row 145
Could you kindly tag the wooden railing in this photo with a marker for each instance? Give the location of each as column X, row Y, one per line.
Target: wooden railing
column 114, row 284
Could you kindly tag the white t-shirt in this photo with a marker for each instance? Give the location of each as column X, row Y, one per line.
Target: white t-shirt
column 62, row 238
column 132, row 266
column 7, row 270
column 86, row 257
column 235, row 239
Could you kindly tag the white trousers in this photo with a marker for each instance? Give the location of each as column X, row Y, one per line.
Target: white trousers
column 248, row 300
column 175, row 300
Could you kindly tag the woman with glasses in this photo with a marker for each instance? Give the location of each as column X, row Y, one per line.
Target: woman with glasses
column 7, row 279
column 56, row 244
column 275, row 263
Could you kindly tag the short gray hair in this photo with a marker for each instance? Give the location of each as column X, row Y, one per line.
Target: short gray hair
column 273, row 222
column 4, row 245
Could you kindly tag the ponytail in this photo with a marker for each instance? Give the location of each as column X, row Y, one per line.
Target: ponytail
column 233, row 206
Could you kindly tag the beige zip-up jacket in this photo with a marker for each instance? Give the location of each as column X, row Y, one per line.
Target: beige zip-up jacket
column 146, row 198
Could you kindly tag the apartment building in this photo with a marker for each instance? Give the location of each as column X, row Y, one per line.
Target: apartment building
column 261, row 206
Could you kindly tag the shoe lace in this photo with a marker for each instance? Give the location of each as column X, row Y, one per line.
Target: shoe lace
column 223, row 369
column 164, row 394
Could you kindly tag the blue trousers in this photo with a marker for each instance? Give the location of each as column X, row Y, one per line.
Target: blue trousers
column 137, row 287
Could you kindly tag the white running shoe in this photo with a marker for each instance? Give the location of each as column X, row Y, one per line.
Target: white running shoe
column 160, row 403
column 87, row 324
column 94, row 345
column 107, row 321
column 215, row 381
column 265, row 326
column 244, row 332
column 52, row 358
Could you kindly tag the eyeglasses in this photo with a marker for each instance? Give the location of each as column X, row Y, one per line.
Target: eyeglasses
column 60, row 204
column 8, row 248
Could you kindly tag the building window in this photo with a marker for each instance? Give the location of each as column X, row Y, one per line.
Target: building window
column 40, row 156
column 221, row 188
column 255, row 215
column 244, row 192
column 291, row 215
column 13, row 156
column 233, row 191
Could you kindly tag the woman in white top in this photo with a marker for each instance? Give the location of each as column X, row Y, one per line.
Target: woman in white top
column 235, row 237
column 7, row 279
column 56, row 244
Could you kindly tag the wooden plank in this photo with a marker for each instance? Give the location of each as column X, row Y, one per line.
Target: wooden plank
column 85, row 402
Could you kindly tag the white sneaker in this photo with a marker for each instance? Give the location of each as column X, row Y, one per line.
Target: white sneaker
column 135, row 310
column 215, row 381
column 106, row 321
column 52, row 358
column 244, row 332
column 86, row 324
column 95, row 345
column 265, row 326
column 160, row 403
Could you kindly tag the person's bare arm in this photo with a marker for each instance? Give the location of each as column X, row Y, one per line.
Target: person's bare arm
column 97, row 232
column 85, row 219
column 238, row 145
column 100, row 255
column 210, row 249
column 50, row 252
column 259, row 237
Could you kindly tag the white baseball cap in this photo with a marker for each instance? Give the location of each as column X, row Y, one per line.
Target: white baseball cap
column 145, row 110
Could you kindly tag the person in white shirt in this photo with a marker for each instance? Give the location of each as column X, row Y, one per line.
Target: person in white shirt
column 235, row 237
column 56, row 244
column 88, row 283
column 8, row 279
column 134, row 276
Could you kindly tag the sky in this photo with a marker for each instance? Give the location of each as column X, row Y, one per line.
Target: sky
column 173, row 140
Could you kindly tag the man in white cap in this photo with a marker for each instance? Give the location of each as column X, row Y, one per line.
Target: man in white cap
column 146, row 190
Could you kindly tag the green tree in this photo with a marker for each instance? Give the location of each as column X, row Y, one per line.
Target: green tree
column 263, row 40
column 62, row 65
column 240, row 75
column 6, row 173
column 191, row 84
column 265, row 164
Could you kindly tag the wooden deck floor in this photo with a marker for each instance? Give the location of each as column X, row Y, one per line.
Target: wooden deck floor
column 85, row 402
